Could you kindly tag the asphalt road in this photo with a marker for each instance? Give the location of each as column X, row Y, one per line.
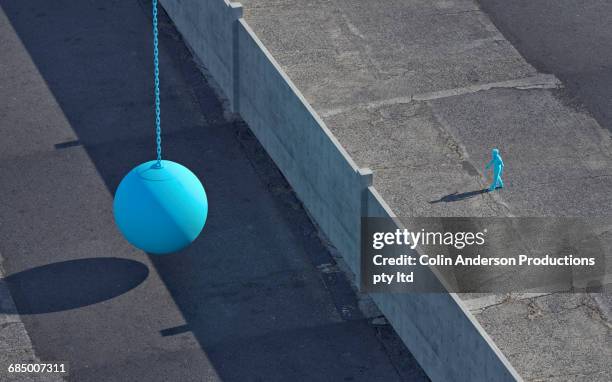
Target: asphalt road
column 569, row 38
column 256, row 297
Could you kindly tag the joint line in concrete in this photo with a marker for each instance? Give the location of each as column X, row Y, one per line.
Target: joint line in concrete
column 540, row 81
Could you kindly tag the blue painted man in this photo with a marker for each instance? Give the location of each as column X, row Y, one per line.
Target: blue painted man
column 498, row 167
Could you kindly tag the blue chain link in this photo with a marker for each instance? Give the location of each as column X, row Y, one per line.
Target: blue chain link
column 156, row 70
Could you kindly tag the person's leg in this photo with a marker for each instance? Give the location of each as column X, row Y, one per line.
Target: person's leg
column 493, row 184
column 496, row 181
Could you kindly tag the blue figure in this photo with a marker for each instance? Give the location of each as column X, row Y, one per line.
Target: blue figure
column 498, row 168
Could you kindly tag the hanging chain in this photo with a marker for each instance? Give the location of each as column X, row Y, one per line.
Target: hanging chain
column 156, row 71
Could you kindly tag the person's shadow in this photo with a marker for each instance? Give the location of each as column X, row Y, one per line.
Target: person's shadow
column 455, row 197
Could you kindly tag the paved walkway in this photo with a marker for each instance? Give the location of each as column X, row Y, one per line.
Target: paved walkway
column 257, row 296
column 420, row 91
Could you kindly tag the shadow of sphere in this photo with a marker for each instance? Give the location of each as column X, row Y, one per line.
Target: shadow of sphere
column 74, row 284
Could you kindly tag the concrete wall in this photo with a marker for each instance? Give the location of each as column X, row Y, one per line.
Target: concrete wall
column 442, row 334
column 208, row 26
column 319, row 170
column 446, row 340
column 321, row 173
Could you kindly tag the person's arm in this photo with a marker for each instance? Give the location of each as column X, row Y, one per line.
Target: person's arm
column 489, row 164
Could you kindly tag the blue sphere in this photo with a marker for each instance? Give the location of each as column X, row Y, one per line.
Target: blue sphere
column 160, row 209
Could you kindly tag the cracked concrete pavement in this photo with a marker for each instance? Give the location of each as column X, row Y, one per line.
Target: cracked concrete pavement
column 420, row 91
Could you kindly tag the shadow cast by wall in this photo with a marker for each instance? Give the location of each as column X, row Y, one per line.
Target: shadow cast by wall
column 239, row 287
column 73, row 284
